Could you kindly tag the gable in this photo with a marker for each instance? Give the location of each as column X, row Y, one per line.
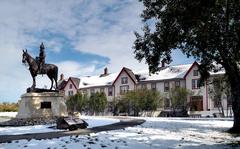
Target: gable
column 190, row 70
column 128, row 73
column 70, row 81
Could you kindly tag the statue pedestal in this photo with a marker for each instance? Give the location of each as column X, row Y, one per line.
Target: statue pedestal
column 46, row 104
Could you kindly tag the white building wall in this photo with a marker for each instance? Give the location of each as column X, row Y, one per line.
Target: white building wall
column 97, row 89
column 197, row 92
column 160, row 85
column 183, row 83
column 67, row 89
column 187, row 83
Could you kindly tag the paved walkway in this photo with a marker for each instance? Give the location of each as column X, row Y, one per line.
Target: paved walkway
column 124, row 122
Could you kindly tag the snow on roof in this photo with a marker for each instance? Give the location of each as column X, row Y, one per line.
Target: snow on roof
column 165, row 73
column 169, row 72
column 86, row 82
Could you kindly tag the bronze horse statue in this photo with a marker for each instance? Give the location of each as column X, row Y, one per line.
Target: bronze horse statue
column 49, row 69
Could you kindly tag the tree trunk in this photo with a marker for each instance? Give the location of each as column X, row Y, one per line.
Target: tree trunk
column 222, row 110
column 236, row 113
column 233, row 75
column 235, row 91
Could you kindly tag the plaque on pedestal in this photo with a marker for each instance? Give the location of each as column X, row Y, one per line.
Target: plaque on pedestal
column 45, row 104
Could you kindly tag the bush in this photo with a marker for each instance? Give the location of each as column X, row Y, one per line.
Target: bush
column 77, row 102
column 178, row 97
column 8, row 107
column 139, row 100
column 97, row 102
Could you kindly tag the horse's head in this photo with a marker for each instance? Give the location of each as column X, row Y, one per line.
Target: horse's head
column 24, row 56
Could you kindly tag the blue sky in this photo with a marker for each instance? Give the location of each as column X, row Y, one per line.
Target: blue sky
column 80, row 36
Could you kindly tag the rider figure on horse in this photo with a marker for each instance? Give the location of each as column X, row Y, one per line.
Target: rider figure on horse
column 41, row 59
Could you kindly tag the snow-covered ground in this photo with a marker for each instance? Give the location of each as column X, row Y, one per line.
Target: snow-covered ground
column 92, row 122
column 26, row 130
column 154, row 133
column 8, row 114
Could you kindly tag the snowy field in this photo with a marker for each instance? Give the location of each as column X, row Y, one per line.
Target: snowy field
column 155, row 133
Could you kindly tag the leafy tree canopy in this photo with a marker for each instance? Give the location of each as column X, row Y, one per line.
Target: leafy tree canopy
column 208, row 30
column 178, row 97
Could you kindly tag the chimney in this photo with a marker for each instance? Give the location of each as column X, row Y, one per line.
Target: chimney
column 61, row 77
column 105, row 71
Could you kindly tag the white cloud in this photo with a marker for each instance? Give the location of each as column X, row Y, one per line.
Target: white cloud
column 72, row 68
column 54, row 45
column 116, row 40
column 69, row 69
column 100, row 27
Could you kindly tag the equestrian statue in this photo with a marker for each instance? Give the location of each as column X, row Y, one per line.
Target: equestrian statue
column 38, row 66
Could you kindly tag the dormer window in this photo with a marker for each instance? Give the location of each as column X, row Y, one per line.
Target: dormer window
column 124, row 80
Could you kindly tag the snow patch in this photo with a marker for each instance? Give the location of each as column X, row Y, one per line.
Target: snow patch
column 8, row 114
column 155, row 133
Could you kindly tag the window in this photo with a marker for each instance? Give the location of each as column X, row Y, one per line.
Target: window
column 92, row 90
column 124, row 89
column 144, row 86
column 70, row 86
column 70, row 93
column 101, row 90
column 153, row 86
column 177, row 84
column 124, row 80
column 46, row 105
column 166, row 86
column 195, row 72
column 195, row 83
column 110, row 91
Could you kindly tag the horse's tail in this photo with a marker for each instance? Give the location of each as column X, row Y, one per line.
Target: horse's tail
column 56, row 76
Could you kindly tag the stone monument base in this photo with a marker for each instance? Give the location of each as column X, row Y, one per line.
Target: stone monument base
column 38, row 105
